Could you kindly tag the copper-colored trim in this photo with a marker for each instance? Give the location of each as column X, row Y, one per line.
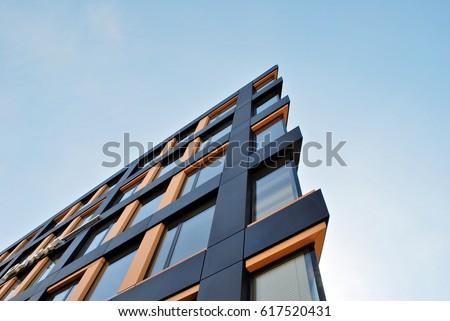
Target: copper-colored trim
column 264, row 81
column 133, row 182
column 43, row 244
column 32, row 275
column 269, row 120
column 142, row 258
column 72, row 211
column 71, row 227
column 7, row 286
column 151, row 174
column 91, row 210
column 207, row 159
column 87, row 277
column 123, row 220
column 87, row 280
column 282, row 207
column 191, row 149
column 186, row 295
column 223, row 107
column 4, row 256
column 61, row 217
column 18, row 247
column 315, row 234
column 98, row 193
column 76, row 221
column 168, row 146
column 175, row 185
column 202, row 124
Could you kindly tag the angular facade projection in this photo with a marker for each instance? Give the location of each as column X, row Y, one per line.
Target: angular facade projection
column 215, row 212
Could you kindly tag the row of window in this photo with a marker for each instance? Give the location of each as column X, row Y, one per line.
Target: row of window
column 192, row 179
column 272, row 191
column 288, row 279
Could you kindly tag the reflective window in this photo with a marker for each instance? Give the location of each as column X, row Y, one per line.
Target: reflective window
column 203, row 175
column 270, row 134
column 146, row 210
column 109, row 281
column 267, row 104
column 130, row 191
column 169, row 167
column 265, row 85
column 64, row 293
column 183, row 240
column 215, row 137
column 274, row 190
column 46, row 270
column 290, row 280
column 96, row 239
column 223, row 114
column 87, row 218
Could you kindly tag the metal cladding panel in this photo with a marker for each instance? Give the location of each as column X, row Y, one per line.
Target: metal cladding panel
column 166, row 283
column 285, row 223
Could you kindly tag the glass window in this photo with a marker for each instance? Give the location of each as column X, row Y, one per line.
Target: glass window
column 270, row 134
column 130, row 191
column 183, row 240
column 215, row 137
column 146, row 210
column 87, row 218
column 64, row 293
column 267, row 104
column 267, row 83
column 46, row 270
column 203, row 175
column 96, row 239
column 223, row 114
column 169, row 167
column 274, row 190
column 109, row 281
column 291, row 280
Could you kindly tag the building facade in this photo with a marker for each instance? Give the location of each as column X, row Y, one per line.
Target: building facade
column 215, row 212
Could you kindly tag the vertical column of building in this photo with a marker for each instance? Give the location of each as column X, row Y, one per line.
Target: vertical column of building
column 223, row 271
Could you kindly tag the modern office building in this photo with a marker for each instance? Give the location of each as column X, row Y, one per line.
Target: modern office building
column 215, row 212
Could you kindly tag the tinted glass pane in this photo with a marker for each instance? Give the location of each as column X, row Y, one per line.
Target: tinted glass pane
column 270, row 134
column 267, row 104
column 220, row 134
column 46, row 271
column 264, row 86
column 169, row 167
column 147, row 210
column 193, row 236
column 97, row 239
column 87, row 218
column 274, row 190
column 223, row 115
column 130, row 191
column 215, row 137
column 64, row 293
column 163, row 252
column 210, row 171
column 112, row 278
column 188, row 184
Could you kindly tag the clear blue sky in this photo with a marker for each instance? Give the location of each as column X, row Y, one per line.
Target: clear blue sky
column 74, row 75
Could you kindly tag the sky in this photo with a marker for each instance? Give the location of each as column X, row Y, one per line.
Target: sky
column 76, row 75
